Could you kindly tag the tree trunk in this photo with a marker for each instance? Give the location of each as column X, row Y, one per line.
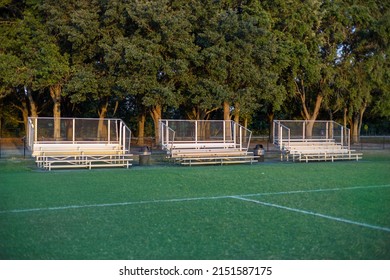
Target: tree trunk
column 33, row 107
column 361, row 113
column 311, row 118
column 237, row 112
column 55, row 93
column 24, row 110
column 226, row 111
column 356, row 124
column 200, row 114
column 345, row 125
column 156, row 113
column 307, row 115
column 245, row 124
column 246, row 121
column 141, row 128
column 270, row 116
column 355, row 128
column 227, row 118
column 102, row 128
column 194, row 114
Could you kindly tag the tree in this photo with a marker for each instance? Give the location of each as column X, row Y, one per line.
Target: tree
column 362, row 61
column 32, row 53
column 195, row 59
column 309, row 38
column 155, row 51
column 85, row 32
column 203, row 82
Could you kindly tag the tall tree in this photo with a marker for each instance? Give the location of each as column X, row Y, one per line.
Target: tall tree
column 312, row 43
column 83, row 31
column 29, row 50
column 202, row 86
column 362, row 64
column 156, row 48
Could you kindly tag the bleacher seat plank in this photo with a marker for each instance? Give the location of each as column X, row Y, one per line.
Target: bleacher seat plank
column 87, row 163
column 318, row 151
column 217, row 160
column 208, row 153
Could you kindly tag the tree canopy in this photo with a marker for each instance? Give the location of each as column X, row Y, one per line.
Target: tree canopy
column 142, row 60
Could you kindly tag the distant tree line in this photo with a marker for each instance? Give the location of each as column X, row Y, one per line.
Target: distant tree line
column 143, row 60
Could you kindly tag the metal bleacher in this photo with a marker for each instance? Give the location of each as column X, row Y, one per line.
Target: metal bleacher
column 79, row 143
column 200, row 142
column 316, row 141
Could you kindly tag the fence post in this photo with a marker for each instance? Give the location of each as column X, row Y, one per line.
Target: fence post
column 24, row 147
column 233, row 125
column 273, row 133
column 123, row 139
column 224, row 131
column 280, row 136
column 35, row 129
column 108, row 131
column 120, row 134
column 196, row 132
column 327, row 131
column 166, row 133
column 240, row 137
column 73, row 130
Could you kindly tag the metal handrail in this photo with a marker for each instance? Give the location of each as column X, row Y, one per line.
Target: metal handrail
column 329, row 131
column 247, row 130
column 279, row 139
column 165, row 132
column 232, row 133
column 115, row 132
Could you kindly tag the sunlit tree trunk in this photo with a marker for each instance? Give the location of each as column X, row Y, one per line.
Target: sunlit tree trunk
column 227, row 118
column 237, row 112
column 270, row 117
column 141, row 128
column 33, row 106
column 156, row 113
column 55, row 93
column 102, row 128
column 24, row 110
column 311, row 118
column 355, row 128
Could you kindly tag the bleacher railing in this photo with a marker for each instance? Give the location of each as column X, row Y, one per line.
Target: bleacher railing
column 203, row 131
column 46, row 130
column 167, row 135
column 287, row 131
column 243, row 136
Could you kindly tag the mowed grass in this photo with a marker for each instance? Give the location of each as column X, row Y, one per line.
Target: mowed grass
column 260, row 211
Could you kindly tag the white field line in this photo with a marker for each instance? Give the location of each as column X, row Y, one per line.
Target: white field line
column 68, row 207
column 313, row 214
column 316, row 190
column 112, row 204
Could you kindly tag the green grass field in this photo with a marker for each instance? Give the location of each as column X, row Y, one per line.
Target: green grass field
column 272, row 210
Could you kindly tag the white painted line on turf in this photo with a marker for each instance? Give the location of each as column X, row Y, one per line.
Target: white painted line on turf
column 68, row 207
column 315, row 190
column 113, row 204
column 312, row 213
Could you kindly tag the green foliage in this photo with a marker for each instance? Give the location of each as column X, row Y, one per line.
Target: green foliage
column 190, row 56
column 29, row 56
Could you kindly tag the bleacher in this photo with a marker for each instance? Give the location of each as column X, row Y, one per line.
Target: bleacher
column 324, row 141
column 200, row 142
column 79, row 143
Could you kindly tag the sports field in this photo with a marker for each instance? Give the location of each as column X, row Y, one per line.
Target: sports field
column 269, row 210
